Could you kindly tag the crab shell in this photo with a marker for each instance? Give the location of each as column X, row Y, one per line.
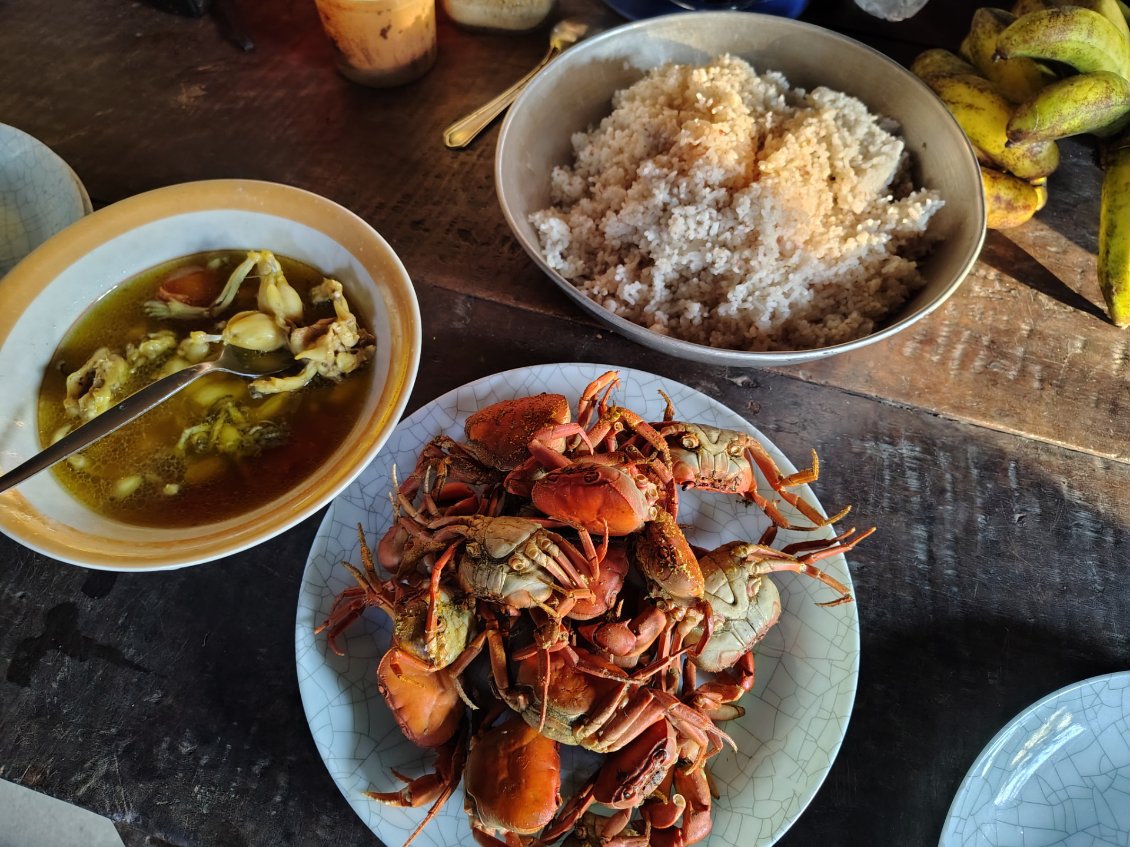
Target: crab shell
column 498, row 434
column 665, row 557
column 633, row 773
column 597, row 494
column 573, row 693
column 425, row 704
column 513, row 778
column 455, row 628
column 745, row 606
column 502, row 561
column 606, row 587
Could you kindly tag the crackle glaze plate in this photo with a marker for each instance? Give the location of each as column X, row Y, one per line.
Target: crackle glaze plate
column 1057, row 773
column 807, row 666
column 39, row 195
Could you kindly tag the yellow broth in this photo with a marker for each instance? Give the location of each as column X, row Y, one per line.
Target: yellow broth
column 211, row 486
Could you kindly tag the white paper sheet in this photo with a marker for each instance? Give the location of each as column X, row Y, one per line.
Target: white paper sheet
column 31, row 819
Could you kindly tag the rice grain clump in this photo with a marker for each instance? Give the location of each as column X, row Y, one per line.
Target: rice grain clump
column 723, row 207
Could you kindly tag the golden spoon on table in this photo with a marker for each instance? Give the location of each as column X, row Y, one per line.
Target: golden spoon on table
column 564, row 34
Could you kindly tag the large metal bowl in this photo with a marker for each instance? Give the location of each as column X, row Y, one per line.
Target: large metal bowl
column 574, row 92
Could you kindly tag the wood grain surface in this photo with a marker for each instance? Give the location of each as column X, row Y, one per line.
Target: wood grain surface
column 988, row 443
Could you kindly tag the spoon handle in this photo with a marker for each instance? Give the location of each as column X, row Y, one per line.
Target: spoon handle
column 467, row 129
column 134, row 406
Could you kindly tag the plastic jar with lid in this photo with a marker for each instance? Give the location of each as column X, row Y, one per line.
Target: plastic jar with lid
column 499, row 15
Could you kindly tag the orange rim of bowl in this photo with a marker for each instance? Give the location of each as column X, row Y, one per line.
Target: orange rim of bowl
column 24, row 523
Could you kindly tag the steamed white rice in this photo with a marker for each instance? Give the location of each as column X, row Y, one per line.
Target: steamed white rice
column 723, row 207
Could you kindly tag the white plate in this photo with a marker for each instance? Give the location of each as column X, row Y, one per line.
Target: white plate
column 39, row 195
column 806, row 671
column 1058, row 773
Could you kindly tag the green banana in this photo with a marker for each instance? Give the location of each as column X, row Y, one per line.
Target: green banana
column 1114, row 11
column 1109, row 9
column 1081, row 38
column 1010, row 200
column 1096, row 103
column 939, row 62
column 1019, row 78
column 1114, row 234
column 983, row 113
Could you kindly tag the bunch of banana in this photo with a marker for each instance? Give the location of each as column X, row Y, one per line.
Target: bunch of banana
column 1013, row 174
column 1114, row 232
column 1019, row 78
column 1027, row 77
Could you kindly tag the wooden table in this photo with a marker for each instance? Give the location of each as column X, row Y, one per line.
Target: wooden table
column 989, row 443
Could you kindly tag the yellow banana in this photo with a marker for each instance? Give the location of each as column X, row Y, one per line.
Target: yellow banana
column 1115, row 11
column 983, row 157
column 1096, row 103
column 984, row 113
column 1114, row 234
column 939, row 62
column 1109, row 9
column 1010, row 200
column 1019, row 78
column 1081, row 38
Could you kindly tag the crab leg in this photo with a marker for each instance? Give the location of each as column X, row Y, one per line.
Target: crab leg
column 437, row 786
column 433, row 589
column 565, row 568
column 603, row 383
column 780, row 484
column 349, row 605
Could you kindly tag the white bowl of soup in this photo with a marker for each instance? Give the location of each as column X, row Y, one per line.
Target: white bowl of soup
column 219, row 468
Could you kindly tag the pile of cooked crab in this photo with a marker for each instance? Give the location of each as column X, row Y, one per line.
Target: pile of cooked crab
column 542, row 592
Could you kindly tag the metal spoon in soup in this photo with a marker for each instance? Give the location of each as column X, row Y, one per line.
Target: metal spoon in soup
column 232, row 359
